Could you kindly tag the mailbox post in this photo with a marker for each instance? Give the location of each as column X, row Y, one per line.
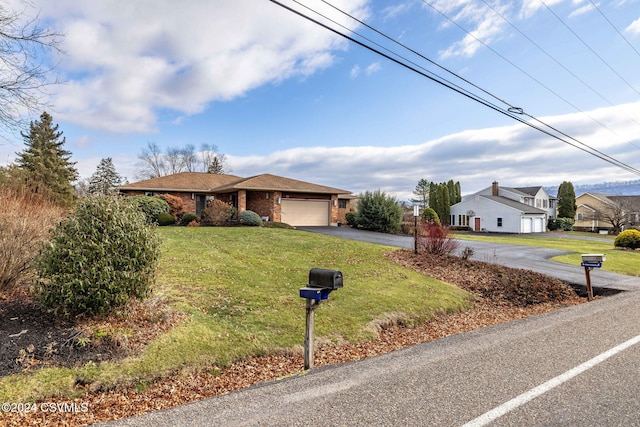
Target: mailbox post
column 321, row 283
column 589, row 262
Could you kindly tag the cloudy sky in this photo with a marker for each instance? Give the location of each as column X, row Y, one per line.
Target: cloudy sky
column 279, row 94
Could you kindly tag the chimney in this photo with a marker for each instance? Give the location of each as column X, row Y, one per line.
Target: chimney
column 495, row 189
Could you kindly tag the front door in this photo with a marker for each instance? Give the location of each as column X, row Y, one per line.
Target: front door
column 476, row 224
column 201, row 202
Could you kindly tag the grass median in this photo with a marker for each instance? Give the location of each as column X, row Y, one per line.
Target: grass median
column 618, row 261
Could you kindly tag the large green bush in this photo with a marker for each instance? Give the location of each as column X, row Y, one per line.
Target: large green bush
column 152, row 207
column 564, row 224
column 99, row 257
column 165, row 218
column 628, row 239
column 250, row 218
column 430, row 216
column 378, row 212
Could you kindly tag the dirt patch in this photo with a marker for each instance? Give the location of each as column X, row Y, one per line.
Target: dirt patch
column 502, row 294
column 31, row 337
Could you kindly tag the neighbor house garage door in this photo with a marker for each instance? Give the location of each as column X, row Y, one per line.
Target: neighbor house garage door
column 305, row 212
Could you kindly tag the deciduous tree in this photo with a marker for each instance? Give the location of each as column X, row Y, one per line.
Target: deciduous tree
column 23, row 42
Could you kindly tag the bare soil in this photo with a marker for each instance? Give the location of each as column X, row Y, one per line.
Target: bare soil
column 502, row 294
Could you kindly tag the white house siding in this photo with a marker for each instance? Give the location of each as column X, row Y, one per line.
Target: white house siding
column 489, row 209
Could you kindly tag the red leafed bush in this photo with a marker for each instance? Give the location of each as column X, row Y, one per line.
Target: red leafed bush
column 434, row 239
column 176, row 205
column 218, row 213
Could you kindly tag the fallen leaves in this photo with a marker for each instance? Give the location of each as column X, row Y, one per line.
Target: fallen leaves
column 502, row 294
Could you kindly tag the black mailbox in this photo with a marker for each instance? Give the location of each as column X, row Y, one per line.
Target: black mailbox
column 329, row 279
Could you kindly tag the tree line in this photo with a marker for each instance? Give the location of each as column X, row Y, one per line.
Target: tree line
column 437, row 196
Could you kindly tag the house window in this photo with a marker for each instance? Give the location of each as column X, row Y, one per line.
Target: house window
column 580, row 216
column 149, row 193
column 342, row 203
column 499, row 222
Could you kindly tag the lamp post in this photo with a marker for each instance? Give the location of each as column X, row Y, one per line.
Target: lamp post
column 416, row 214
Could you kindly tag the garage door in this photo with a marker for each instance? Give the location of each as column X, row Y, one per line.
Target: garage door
column 538, row 225
column 305, row 212
column 526, row 225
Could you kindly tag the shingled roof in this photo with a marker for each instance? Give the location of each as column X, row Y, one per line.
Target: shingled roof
column 268, row 182
column 218, row 183
column 183, row 181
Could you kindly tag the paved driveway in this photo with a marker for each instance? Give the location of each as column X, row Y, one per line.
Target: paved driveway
column 525, row 257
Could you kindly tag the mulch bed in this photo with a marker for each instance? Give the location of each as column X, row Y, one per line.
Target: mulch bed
column 502, row 294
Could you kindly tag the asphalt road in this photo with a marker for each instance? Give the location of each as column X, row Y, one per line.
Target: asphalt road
column 525, row 257
column 575, row 366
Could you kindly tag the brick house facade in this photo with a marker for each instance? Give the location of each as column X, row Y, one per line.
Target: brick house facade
column 304, row 203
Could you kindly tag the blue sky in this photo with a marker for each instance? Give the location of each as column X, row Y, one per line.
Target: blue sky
column 277, row 94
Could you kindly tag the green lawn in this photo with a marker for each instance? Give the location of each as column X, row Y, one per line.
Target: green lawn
column 240, row 289
column 618, row 261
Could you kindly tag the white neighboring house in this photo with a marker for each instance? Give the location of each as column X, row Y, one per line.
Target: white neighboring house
column 505, row 210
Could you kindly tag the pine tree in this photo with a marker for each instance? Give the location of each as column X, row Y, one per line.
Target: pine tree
column 216, row 166
column 566, row 200
column 105, row 179
column 422, row 194
column 46, row 163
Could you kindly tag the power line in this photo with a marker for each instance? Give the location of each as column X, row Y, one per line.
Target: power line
column 614, row 27
column 504, row 18
column 589, row 47
column 511, row 112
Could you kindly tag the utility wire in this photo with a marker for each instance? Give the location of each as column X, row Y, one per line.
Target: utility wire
column 505, row 19
column 614, row 27
column 511, row 112
column 575, row 107
column 589, row 47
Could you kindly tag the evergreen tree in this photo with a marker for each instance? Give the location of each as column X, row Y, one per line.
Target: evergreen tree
column 105, row 179
column 422, row 194
column 566, row 200
column 458, row 193
column 46, row 163
column 217, row 165
column 443, row 210
column 433, row 195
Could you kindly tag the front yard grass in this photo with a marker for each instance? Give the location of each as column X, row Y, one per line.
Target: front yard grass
column 618, row 261
column 239, row 287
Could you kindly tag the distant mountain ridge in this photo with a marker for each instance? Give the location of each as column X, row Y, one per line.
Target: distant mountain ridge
column 618, row 188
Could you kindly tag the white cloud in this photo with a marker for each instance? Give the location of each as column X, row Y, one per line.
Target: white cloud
column 514, row 155
column 373, row 68
column 634, row 27
column 582, row 10
column 126, row 62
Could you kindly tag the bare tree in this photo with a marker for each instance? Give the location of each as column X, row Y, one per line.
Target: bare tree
column 190, row 159
column 24, row 74
column 153, row 162
column 614, row 214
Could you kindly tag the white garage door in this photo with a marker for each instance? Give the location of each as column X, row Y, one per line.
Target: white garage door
column 526, row 225
column 538, row 225
column 305, row 212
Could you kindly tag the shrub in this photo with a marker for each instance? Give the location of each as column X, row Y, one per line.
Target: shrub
column 218, row 213
column 188, row 218
column 150, row 206
column 430, row 216
column 378, row 212
column 250, row 218
column 628, row 239
column 102, row 255
column 176, row 205
column 165, row 218
column 193, row 223
column 25, row 222
column 434, row 239
column 565, row 224
column 350, row 217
